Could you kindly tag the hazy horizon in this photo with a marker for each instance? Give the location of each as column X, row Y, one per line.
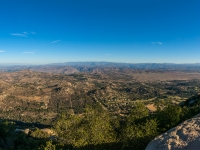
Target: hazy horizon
column 60, row 63
column 44, row 32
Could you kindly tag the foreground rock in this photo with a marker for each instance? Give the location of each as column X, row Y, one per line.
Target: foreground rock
column 185, row 136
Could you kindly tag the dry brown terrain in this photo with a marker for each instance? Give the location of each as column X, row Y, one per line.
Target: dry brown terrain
column 29, row 94
column 165, row 76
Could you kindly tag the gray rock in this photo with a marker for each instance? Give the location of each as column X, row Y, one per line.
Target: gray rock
column 185, row 136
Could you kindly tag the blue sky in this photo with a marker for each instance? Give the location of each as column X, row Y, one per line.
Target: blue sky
column 132, row 31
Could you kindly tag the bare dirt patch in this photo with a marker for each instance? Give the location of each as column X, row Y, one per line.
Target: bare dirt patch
column 151, row 107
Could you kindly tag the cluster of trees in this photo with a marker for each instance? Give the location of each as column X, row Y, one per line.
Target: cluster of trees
column 10, row 140
column 98, row 129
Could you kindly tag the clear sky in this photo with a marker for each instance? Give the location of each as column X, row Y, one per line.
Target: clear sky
column 133, row 31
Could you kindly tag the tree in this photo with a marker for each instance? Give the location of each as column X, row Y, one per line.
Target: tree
column 48, row 146
column 97, row 124
column 138, row 112
column 169, row 116
column 138, row 130
column 93, row 128
column 66, row 126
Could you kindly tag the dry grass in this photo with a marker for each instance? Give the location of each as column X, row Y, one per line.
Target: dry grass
column 33, row 98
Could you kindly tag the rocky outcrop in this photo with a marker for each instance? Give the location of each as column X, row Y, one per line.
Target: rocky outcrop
column 26, row 131
column 49, row 131
column 185, row 136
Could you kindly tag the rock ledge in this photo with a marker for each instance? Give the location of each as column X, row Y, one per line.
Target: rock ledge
column 185, row 136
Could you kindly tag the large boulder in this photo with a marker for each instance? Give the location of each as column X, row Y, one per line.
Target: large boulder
column 185, row 136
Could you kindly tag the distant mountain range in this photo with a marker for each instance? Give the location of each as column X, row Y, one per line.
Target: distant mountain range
column 73, row 67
